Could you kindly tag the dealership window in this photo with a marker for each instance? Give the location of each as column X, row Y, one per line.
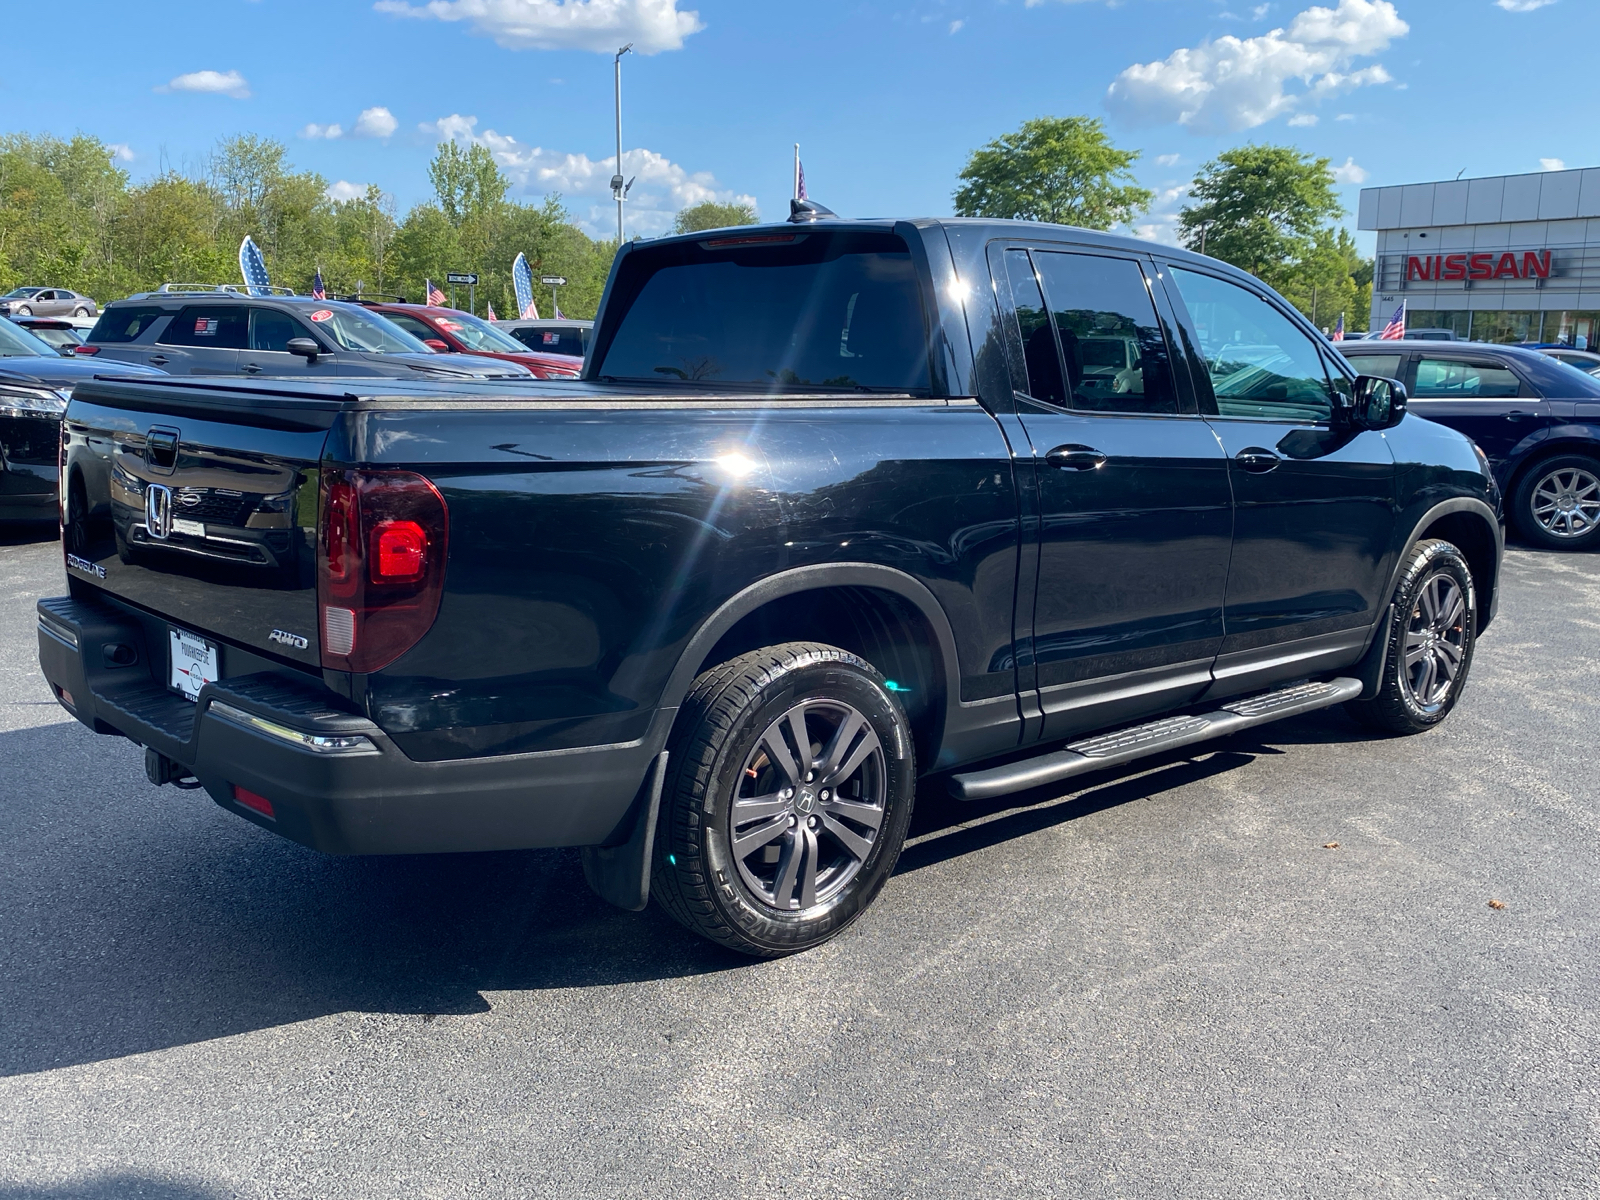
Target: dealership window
column 1505, row 327
column 1459, row 323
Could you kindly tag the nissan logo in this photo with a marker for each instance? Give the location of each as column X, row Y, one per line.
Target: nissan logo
column 189, row 499
column 158, row 510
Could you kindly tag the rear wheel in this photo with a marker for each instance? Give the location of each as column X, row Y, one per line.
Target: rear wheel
column 788, row 794
column 1557, row 503
column 80, row 311
column 1430, row 646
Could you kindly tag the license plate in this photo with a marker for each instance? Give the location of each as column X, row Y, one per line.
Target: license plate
column 194, row 662
column 192, row 528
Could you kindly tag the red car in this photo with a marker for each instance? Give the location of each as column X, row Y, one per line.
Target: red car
column 451, row 330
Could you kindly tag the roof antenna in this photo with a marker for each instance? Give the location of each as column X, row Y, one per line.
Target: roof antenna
column 802, row 211
column 1461, row 172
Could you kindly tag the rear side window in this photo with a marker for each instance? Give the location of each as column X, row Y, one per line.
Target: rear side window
column 211, row 326
column 1258, row 362
column 1385, row 365
column 1115, row 353
column 780, row 311
column 1456, row 379
column 550, row 341
column 1039, row 355
column 125, row 324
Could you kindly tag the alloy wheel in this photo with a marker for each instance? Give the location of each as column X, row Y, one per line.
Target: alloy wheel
column 1566, row 502
column 809, row 805
column 1435, row 642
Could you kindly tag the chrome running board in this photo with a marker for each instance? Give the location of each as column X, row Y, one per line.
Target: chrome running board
column 1169, row 733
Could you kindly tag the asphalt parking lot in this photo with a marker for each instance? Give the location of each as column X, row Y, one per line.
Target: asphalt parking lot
column 1159, row 984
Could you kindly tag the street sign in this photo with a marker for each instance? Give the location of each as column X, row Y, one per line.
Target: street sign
column 553, row 280
column 456, row 277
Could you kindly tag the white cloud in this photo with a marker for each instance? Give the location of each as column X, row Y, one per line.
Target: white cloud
column 345, row 190
column 1302, row 119
column 121, row 152
column 1521, row 5
column 955, row 26
column 322, row 132
column 1345, row 117
column 1351, row 172
column 1260, row 11
column 598, row 25
column 1552, row 164
column 377, row 122
column 1232, row 84
column 1168, row 160
column 1161, row 222
column 661, row 189
column 218, row 83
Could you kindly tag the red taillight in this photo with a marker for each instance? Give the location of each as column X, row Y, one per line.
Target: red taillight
column 383, row 541
column 253, row 801
column 399, row 552
column 86, row 349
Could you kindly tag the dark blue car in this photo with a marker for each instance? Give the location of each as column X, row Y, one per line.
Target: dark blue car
column 1536, row 418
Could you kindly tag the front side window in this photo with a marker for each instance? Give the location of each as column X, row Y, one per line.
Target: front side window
column 1457, row 379
column 17, row 342
column 776, row 311
column 1039, row 354
column 477, row 334
column 1258, row 362
column 357, row 329
column 1111, row 341
column 270, row 330
column 209, row 327
column 416, row 328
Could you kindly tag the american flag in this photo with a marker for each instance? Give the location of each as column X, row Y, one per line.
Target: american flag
column 435, row 296
column 1395, row 330
column 254, row 269
column 1338, row 329
column 489, row 306
column 318, row 292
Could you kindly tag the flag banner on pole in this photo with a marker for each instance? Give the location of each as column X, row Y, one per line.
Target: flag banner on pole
column 522, row 281
column 1395, row 330
column 318, row 292
column 1338, row 329
column 435, row 297
column 253, row 269
column 488, row 308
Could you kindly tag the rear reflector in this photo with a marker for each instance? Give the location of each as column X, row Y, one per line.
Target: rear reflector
column 86, row 349
column 66, row 697
column 338, row 630
column 253, row 802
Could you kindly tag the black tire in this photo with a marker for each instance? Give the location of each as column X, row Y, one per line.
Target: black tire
column 1556, row 505
column 757, row 902
column 1433, row 632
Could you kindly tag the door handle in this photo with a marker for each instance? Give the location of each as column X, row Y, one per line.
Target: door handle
column 250, row 369
column 1073, row 457
column 1256, row 460
column 159, row 360
column 1516, row 414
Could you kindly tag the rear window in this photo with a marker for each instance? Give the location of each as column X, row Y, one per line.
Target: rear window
column 782, row 311
column 124, row 324
column 211, row 326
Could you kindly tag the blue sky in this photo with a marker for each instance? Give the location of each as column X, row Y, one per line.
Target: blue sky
column 887, row 98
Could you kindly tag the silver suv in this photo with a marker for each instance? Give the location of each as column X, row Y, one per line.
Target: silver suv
column 226, row 332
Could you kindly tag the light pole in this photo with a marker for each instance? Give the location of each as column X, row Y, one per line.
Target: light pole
column 617, row 188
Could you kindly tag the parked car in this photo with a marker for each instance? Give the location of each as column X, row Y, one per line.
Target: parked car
column 449, row 330
column 222, row 331
column 835, row 505
column 1411, row 335
column 553, row 336
column 35, row 382
column 46, row 302
column 1537, row 419
column 1584, row 360
column 53, row 331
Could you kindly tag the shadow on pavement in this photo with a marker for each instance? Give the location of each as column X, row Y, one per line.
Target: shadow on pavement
column 136, row 920
column 27, row 533
column 111, row 1187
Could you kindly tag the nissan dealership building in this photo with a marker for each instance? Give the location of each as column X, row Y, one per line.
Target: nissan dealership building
column 1510, row 258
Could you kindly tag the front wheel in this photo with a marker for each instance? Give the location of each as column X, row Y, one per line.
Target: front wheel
column 80, row 311
column 1557, row 503
column 1430, row 645
column 788, row 794
column 24, row 311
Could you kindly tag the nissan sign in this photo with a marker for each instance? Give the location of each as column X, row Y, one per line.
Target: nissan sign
column 1434, row 268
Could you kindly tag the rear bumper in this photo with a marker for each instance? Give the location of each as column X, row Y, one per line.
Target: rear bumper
column 257, row 732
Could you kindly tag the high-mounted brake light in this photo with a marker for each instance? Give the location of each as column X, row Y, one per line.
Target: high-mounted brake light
column 382, row 543
column 752, row 239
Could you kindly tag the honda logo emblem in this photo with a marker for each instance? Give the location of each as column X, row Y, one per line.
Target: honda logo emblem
column 158, row 510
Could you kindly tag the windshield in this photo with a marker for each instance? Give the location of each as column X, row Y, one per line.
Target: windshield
column 477, row 334
column 358, row 329
column 24, row 292
column 775, row 310
column 17, row 342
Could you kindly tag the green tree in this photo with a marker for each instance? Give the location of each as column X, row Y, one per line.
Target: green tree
column 1261, row 208
column 711, row 215
column 1059, row 169
column 467, row 183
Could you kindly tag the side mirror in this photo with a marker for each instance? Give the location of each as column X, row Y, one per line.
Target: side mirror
column 305, row 348
column 436, row 345
column 1379, row 403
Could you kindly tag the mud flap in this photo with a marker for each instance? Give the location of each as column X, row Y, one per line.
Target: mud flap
column 1370, row 669
column 621, row 874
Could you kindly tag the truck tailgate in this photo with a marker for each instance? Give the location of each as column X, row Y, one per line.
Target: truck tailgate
column 199, row 504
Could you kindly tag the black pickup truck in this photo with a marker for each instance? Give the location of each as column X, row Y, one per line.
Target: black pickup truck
column 837, row 505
